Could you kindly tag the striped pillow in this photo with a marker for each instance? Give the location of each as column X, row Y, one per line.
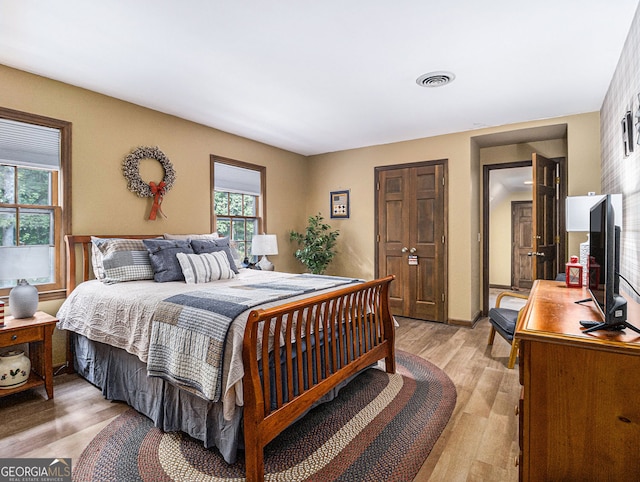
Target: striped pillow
column 205, row 267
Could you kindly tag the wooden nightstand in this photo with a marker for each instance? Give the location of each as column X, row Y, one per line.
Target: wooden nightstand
column 37, row 331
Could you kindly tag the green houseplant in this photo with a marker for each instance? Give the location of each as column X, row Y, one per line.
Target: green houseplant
column 316, row 244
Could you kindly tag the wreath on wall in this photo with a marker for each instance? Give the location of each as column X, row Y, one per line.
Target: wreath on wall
column 135, row 184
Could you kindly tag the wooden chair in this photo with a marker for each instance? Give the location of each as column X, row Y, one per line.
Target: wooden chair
column 503, row 321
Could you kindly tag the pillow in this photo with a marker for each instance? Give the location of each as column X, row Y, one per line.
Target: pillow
column 116, row 260
column 213, row 246
column 162, row 253
column 186, row 237
column 205, row 267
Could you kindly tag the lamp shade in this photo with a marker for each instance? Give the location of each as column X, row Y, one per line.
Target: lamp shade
column 25, row 262
column 264, row 244
column 578, row 210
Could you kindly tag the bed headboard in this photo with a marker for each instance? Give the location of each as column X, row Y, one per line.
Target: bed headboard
column 79, row 267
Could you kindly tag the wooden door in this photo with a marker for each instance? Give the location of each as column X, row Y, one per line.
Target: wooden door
column 411, row 225
column 545, row 232
column 521, row 236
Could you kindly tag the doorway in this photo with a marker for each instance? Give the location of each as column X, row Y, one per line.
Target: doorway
column 550, row 212
column 411, row 240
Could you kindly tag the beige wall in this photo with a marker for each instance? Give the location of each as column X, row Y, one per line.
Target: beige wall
column 354, row 170
column 106, row 129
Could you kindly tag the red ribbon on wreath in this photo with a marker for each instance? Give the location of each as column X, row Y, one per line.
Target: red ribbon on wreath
column 158, row 192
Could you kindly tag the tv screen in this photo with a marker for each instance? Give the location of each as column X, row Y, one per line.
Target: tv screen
column 603, row 264
column 597, row 264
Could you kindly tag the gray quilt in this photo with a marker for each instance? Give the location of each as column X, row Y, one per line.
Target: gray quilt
column 189, row 330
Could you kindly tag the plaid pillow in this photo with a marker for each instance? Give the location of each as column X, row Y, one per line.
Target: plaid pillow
column 116, row 260
column 206, row 267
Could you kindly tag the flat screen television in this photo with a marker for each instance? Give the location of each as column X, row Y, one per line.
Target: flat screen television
column 603, row 266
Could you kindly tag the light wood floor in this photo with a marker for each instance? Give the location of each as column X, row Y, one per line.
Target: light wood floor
column 478, row 444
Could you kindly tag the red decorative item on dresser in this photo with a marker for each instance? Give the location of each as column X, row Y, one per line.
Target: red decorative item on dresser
column 573, row 274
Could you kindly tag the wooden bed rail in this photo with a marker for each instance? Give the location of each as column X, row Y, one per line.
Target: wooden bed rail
column 320, row 342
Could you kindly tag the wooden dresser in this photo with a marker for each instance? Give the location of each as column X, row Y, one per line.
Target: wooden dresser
column 579, row 411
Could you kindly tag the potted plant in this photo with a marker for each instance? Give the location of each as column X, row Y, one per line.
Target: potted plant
column 316, row 245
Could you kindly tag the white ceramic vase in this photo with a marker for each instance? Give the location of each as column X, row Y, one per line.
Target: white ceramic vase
column 23, row 300
column 15, row 367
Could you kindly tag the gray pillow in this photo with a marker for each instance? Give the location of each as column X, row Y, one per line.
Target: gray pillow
column 165, row 264
column 212, row 246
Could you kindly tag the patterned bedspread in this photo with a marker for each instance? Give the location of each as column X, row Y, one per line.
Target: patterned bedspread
column 189, row 331
column 122, row 315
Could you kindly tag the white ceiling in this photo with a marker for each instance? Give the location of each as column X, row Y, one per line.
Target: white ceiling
column 320, row 76
column 505, row 182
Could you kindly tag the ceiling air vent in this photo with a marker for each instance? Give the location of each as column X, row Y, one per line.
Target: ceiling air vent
column 435, row 79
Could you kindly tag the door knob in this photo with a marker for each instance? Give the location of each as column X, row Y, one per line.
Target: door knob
column 404, row 250
column 413, row 250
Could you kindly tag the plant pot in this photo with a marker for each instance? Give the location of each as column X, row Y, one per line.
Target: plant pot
column 15, row 367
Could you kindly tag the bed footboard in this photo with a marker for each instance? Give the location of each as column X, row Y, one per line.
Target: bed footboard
column 321, row 341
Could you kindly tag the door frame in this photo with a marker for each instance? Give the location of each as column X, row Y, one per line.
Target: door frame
column 445, row 250
column 486, row 170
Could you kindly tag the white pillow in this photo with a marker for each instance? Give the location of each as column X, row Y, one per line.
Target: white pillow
column 205, row 267
column 190, row 236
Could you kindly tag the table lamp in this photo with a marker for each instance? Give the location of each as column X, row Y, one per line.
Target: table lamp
column 22, row 263
column 263, row 245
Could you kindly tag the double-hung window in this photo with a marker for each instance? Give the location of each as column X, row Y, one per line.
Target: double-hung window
column 238, row 202
column 34, row 212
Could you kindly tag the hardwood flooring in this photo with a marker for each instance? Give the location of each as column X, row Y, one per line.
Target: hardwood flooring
column 480, row 443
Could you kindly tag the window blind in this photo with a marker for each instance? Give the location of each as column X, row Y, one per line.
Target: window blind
column 29, row 145
column 236, row 179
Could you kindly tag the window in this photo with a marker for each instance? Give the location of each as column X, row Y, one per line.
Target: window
column 238, row 201
column 34, row 200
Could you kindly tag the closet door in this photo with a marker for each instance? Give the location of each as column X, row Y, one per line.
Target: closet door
column 412, row 240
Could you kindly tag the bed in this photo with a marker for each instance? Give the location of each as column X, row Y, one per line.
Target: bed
column 298, row 340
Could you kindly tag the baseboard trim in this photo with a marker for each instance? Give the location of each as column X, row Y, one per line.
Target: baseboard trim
column 500, row 287
column 466, row 323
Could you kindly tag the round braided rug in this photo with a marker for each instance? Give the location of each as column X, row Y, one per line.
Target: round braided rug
column 380, row 427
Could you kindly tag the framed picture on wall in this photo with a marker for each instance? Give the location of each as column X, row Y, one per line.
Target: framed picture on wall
column 340, row 204
column 627, row 133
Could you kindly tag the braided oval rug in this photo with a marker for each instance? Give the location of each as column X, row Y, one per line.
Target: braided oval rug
column 380, row 427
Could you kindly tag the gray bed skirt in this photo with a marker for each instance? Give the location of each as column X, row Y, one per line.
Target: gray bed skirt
column 123, row 377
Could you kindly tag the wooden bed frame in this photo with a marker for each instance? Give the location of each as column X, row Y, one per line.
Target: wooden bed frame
column 359, row 315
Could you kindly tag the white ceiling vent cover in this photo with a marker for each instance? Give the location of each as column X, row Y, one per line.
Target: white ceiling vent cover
column 435, row 79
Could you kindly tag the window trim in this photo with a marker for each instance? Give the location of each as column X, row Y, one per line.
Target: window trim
column 57, row 289
column 261, row 208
